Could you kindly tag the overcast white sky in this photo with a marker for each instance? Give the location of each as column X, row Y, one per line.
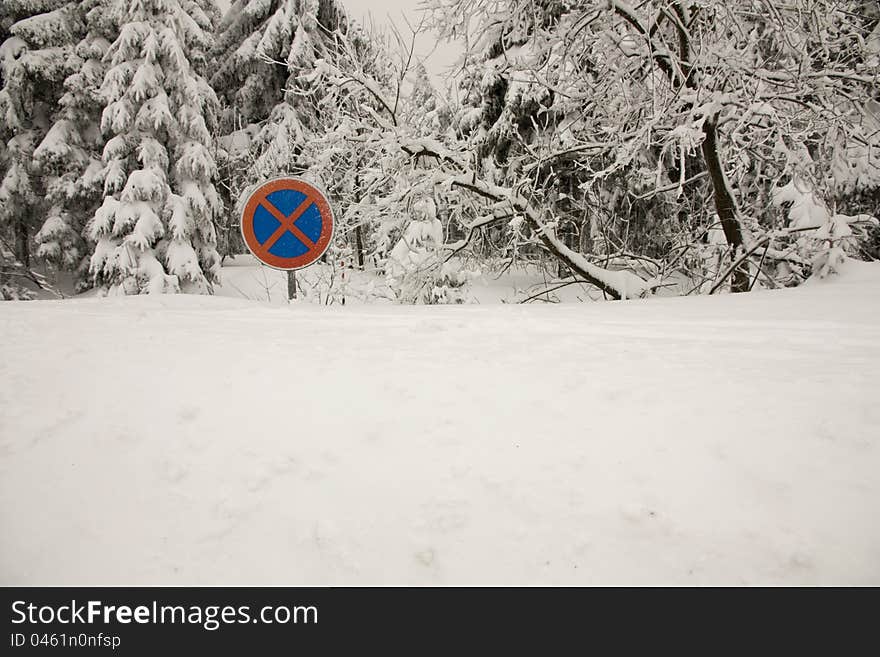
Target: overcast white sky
column 438, row 58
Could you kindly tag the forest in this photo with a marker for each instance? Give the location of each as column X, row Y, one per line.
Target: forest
column 634, row 149
column 600, row 306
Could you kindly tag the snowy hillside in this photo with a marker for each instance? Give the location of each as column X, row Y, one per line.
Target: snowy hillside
column 179, row 439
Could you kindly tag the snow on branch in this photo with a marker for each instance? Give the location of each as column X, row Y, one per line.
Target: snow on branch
column 617, row 284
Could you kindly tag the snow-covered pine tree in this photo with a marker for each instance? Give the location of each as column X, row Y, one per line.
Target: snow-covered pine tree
column 267, row 63
column 155, row 230
column 33, row 57
column 421, row 106
column 418, row 268
column 299, row 35
column 250, row 73
column 247, row 85
column 69, row 156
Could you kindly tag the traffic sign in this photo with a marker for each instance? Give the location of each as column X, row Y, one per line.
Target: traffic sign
column 287, row 223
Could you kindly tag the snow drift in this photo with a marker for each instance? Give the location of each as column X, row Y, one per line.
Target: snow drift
column 196, row 440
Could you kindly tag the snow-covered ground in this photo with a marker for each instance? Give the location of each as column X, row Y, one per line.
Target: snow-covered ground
column 193, row 440
column 245, row 278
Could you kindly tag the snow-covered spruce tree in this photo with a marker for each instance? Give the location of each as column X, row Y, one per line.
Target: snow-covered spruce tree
column 264, row 52
column 424, row 107
column 155, row 230
column 418, row 267
column 819, row 239
column 659, row 120
column 247, row 84
column 297, row 39
column 69, row 156
column 39, row 34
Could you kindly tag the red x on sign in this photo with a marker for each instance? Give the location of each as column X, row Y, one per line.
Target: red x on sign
column 287, row 223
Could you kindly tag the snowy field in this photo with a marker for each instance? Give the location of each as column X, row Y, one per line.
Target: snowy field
column 196, row 440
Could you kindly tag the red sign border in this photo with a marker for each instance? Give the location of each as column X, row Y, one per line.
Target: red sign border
column 328, row 223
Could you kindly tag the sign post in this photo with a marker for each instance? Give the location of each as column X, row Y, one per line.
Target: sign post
column 287, row 223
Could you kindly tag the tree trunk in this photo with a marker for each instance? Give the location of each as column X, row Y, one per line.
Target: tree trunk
column 22, row 245
column 359, row 245
column 358, row 233
column 725, row 206
column 291, row 285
